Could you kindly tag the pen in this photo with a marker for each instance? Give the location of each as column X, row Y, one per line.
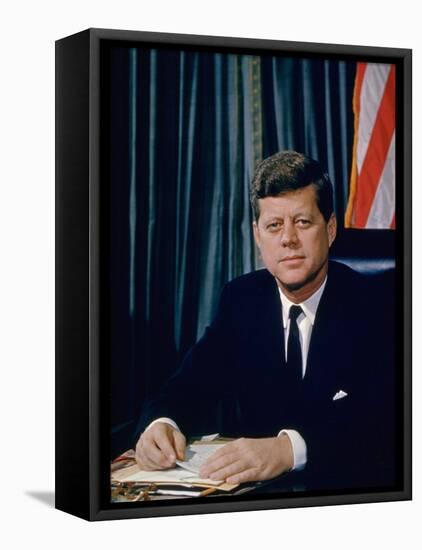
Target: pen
column 208, row 491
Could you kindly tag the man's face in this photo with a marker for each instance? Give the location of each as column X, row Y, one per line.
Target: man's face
column 294, row 240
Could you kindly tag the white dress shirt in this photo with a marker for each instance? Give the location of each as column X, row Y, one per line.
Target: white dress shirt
column 305, row 323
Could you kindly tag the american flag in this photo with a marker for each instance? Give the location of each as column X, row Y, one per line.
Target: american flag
column 372, row 183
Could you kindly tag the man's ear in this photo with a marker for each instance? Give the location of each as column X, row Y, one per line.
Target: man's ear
column 256, row 234
column 332, row 229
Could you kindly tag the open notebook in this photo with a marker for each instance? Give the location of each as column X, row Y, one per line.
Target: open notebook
column 185, row 474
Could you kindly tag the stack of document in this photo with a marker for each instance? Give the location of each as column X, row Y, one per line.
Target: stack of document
column 183, row 480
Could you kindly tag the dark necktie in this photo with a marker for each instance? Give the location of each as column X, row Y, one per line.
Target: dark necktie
column 294, row 352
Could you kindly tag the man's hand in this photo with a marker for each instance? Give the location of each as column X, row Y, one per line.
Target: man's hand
column 159, row 447
column 250, row 460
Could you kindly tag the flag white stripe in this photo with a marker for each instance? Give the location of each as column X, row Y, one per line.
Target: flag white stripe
column 372, row 91
column 382, row 209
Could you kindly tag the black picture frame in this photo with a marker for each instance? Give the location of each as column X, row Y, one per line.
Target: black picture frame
column 82, row 248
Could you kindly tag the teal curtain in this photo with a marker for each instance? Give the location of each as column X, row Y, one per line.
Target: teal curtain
column 186, row 130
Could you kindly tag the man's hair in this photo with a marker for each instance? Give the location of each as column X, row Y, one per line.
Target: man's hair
column 288, row 171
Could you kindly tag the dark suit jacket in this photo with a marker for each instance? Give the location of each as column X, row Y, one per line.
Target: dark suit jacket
column 235, row 380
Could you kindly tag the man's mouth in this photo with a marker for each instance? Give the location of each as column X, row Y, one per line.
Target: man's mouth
column 292, row 259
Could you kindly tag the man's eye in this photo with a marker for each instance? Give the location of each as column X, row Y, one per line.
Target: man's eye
column 274, row 226
column 303, row 223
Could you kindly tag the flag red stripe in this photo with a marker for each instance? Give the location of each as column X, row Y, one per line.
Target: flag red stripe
column 376, row 153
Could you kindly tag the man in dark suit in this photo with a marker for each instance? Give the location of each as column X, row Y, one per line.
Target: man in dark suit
column 298, row 365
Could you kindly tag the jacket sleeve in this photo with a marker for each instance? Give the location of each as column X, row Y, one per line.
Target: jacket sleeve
column 192, row 397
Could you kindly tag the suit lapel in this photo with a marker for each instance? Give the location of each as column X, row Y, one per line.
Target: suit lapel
column 268, row 325
column 327, row 353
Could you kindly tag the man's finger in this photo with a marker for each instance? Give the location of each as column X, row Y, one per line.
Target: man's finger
column 251, row 474
column 224, row 451
column 165, row 444
column 232, row 469
column 218, row 462
column 142, row 460
column 155, row 456
column 179, row 444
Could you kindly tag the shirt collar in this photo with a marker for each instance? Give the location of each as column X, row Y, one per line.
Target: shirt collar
column 309, row 306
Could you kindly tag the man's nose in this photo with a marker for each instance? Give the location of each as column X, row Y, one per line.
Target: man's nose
column 289, row 236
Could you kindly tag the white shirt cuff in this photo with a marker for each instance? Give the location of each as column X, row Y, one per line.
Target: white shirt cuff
column 299, row 448
column 166, row 421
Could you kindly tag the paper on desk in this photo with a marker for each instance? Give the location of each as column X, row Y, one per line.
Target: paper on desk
column 174, row 475
column 196, row 455
column 209, row 437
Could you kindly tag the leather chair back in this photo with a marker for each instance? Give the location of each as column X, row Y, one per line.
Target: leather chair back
column 370, row 251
